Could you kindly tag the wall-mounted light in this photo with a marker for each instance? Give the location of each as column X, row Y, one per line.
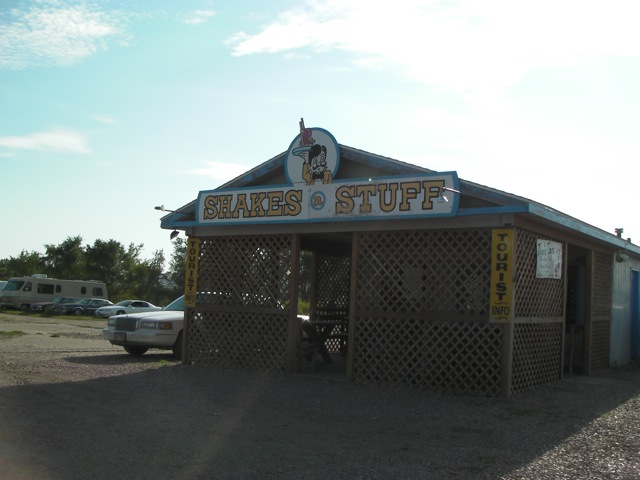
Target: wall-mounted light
column 174, row 234
column 162, row 209
column 441, row 193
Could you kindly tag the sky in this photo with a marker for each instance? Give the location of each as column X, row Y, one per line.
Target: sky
column 110, row 108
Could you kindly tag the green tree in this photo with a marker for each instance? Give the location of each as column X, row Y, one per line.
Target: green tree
column 102, row 261
column 107, row 261
column 123, row 270
column 174, row 277
column 127, row 275
column 24, row 265
column 145, row 276
column 66, row 260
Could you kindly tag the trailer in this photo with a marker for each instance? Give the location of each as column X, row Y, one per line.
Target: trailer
column 21, row 292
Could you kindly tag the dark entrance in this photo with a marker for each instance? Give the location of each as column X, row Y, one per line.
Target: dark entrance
column 324, row 284
column 575, row 318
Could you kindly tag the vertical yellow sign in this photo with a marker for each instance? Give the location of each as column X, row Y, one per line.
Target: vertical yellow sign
column 502, row 265
column 191, row 272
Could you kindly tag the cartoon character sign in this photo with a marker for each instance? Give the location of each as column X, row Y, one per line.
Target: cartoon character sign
column 319, row 153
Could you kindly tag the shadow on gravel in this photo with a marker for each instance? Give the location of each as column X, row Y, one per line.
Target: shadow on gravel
column 124, row 359
column 203, row 422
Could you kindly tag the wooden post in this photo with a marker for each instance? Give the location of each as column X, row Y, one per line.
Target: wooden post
column 294, row 324
column 313, row 300
column 502, row 298
column 506, row 379
column 565, row 279
column 352, row 307
column 588, row 316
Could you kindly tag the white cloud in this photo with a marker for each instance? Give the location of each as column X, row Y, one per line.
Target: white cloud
column 197, row 17
column 464, row 45
column 51, row 33
column 53, row 141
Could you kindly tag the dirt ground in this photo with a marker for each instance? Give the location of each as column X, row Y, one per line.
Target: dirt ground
column 74, row 407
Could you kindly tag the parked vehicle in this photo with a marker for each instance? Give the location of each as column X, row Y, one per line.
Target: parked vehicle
column 21, row 292
column 85, row 306
column 48, row 306
column 126, row 306
column 139, row 332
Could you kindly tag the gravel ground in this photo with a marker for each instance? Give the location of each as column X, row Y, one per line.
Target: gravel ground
column 74, row 407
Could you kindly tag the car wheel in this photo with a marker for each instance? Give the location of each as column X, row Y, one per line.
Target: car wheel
column 177, row 347
column 135, row 351
column 77, row 312
column 120, row 312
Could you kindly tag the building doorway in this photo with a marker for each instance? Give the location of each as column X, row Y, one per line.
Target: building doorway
column 576, row 307
column 324, row 286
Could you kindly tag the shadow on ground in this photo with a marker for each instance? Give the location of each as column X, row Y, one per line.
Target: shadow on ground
column 201, row 422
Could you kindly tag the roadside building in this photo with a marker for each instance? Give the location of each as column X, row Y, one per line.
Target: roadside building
column 418, row 278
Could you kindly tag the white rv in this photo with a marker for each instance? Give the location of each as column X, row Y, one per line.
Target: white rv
column 21, row 292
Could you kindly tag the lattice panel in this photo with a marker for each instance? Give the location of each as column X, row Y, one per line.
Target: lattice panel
column 241, row 316
column 334, row 275
column 461, row 357
column 602, row 283
column 432, row 272
column 600, row 344
column 249, row 270
column 535, row 297
column 253, row 340
column 601, row 310
column 537, row 354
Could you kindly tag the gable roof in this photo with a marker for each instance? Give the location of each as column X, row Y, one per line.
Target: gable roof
column 474, row 199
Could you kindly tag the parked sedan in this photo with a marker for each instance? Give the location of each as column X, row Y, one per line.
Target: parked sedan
column 48, row 306
column 86, row 306
column 138, row 332
column 126, row 306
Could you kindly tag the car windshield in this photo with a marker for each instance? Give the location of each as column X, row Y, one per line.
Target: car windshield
column 177, row 305
column 13, row 285
column 124, row 303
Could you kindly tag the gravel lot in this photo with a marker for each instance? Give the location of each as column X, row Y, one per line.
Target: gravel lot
column 74, row 407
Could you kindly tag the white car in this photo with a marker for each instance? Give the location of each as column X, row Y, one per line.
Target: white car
column 138, row 332
column 126, row 306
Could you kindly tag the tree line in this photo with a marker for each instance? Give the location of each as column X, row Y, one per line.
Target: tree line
column 125, row 273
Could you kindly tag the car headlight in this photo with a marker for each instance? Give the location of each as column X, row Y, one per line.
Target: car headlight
column 156, row 325
column 111, row 322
